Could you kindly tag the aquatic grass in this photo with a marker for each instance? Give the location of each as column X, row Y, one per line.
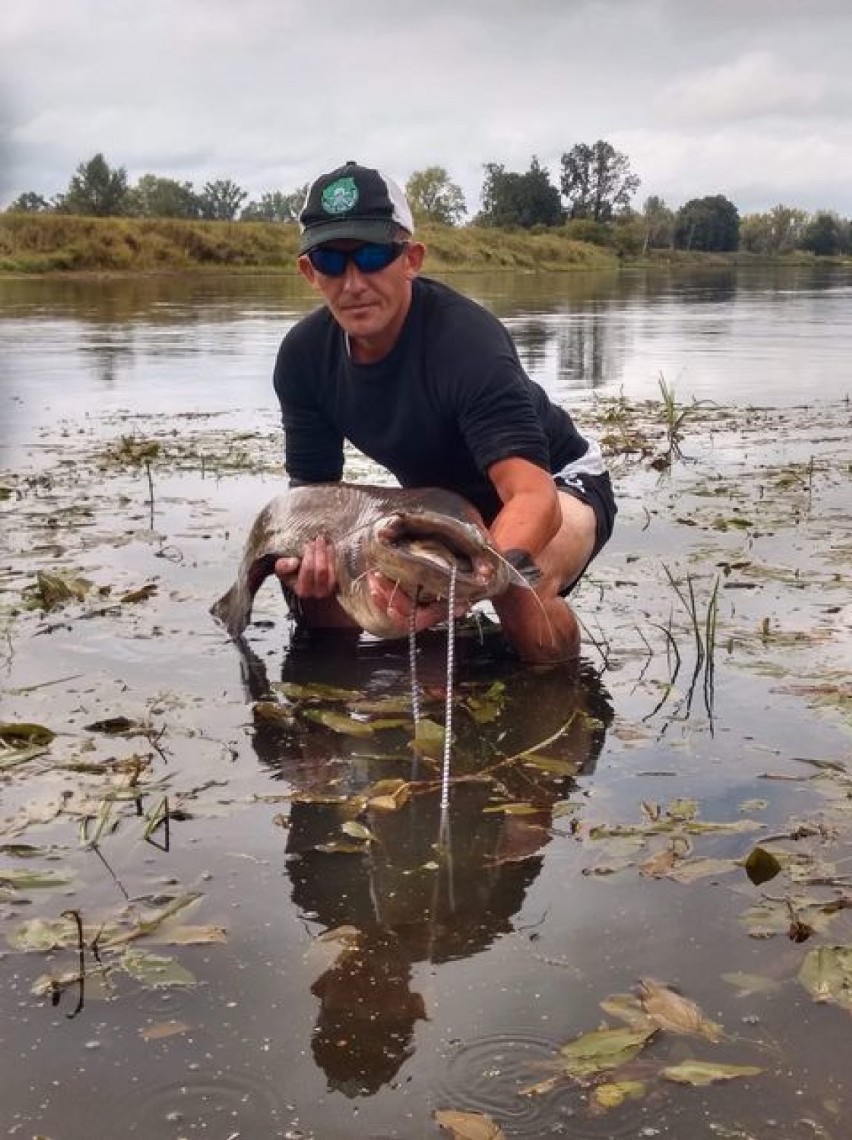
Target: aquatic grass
column 703, row 629
column 675, row 416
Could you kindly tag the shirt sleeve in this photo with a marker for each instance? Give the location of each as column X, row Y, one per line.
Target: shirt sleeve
column 313, row 447
column 492, row 397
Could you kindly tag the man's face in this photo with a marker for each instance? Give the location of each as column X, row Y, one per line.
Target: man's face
column 370, row 307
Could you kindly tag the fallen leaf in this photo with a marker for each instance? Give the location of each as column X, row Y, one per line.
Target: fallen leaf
column 339, row 722
column 428, row 739
column 761, row 865
column 155, row 972
column 357, row 830
column 670, row 1011
column 468, row 1125
column 613, row 1094
column 826, row 974
column 163, row 1030
column 701, row 1073
column 25, row 735
column 603, row 1049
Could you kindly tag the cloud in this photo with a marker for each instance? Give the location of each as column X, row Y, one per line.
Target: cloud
column 756, row 84
column 754, row 168
column 270, row 92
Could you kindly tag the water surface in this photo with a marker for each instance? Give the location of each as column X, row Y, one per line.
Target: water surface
column 337, row 986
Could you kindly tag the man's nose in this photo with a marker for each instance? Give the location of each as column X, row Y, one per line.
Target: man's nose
column 353, row 278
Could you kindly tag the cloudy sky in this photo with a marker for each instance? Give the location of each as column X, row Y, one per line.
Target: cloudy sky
column 747, row 98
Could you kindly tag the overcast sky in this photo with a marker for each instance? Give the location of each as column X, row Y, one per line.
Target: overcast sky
column 747, row 98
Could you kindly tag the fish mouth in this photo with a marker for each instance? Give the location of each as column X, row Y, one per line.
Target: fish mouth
column 422, row 551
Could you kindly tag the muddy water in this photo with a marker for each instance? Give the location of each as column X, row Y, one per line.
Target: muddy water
column 281, row 933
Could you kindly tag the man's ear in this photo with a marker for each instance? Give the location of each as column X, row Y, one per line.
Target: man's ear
column 414, row 254
column 307, row 270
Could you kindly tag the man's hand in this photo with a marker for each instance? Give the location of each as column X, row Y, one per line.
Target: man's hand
column 388, row 597
column 314, row 575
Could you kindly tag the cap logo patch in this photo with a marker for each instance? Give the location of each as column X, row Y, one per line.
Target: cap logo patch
column 340, row 196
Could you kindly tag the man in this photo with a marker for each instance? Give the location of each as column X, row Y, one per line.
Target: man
column 428, row 383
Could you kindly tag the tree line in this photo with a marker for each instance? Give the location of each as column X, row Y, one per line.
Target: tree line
column 593, row 201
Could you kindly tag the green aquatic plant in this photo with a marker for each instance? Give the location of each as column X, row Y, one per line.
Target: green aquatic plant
column 675, row 416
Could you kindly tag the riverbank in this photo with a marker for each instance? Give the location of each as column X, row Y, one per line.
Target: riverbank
column 50, row 243
column 62, row 243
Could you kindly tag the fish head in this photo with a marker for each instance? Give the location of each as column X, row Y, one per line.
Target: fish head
column 421, row 550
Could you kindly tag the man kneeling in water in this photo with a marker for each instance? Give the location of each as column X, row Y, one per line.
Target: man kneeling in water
column 429, row 384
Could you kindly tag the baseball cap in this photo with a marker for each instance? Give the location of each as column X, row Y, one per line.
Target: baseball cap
column 353, row 202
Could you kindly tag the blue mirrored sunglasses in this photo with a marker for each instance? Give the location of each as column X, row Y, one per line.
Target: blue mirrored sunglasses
column 369, row 258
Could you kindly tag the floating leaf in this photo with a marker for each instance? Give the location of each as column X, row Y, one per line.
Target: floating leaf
column 32, row 880
column 12, row 757
column 675, row 1013
column 163, row 1030
column 25, row 735
column 521, row 808
column 754, row 805
column 192, row 935
column 688, row 870
column 154, row 971
column 761, row 865
column 270, row 712
column 43, row 934
column 468, row 1125
column 339, row 847
column 826, row 974
column 388, row 795
column 141, row 595
column 552, row 765
column 117, row 726
column 316, row 692
column 603, row 1049
column 701, row 1073
column 627, row 1008
column 51, row 985
column 682, row 809
column 428, row 739
column 356, row 830
column 56, row 589
column 339, row 722
column 385, row 705
column 613, row 1094
column 747, row 984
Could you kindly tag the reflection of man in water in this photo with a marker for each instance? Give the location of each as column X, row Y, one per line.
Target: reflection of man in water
column 428, row 888
column 367, row 1014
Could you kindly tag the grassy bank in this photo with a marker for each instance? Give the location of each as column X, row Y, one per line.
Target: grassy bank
column 46, row 243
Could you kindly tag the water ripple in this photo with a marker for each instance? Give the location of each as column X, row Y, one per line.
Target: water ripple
column 488, row 1074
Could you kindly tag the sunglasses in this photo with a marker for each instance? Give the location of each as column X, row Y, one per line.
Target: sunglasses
column 370, row 258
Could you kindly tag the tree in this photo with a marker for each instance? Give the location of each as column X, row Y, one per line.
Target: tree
column 597, row 181
column 221, row 199
column 775, row 232
column 276, row 207
column 711, row 224
column 95, row 189
column 824, row 235
column 29, row 203
column 432, row 195
column 155, row 197
column 658, row 220
column 511, row 199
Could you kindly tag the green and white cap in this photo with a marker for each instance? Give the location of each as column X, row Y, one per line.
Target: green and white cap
column 353, row 202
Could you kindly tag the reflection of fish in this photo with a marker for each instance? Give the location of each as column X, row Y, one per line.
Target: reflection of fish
column 412, row 536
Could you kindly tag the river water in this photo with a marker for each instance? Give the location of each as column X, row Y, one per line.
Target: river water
column 282, row 935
